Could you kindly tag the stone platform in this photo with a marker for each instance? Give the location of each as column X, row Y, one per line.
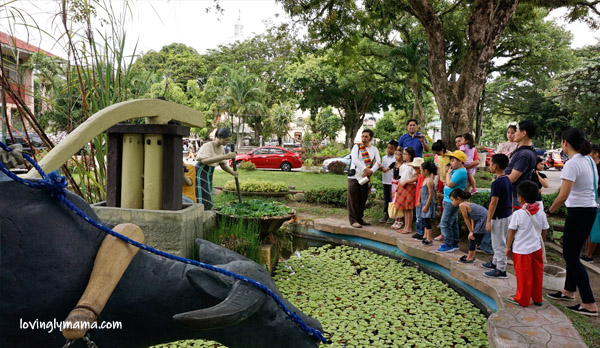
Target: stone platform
column 511, row 325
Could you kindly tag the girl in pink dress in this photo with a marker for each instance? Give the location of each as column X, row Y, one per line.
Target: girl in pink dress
column 468, row 147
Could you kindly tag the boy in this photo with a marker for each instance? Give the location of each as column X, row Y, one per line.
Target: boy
column 525, row 243
column 456, row 177
column 387, row 165
column 499, row 211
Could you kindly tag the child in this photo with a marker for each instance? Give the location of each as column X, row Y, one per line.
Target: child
column 456, row 177
column 426, row 203
column 468, row 147
column 419, row 228
column 405, row 195
column 500, row 209
column 525, row 243
column 395, row 181
column 387, row 165
column 475, row 218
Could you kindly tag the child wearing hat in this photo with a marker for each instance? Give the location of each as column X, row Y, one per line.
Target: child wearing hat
column 456, row 177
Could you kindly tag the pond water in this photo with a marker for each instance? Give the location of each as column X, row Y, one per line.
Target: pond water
column 364, row 299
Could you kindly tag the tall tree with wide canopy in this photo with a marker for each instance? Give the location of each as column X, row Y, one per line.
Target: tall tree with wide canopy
column 457, row 67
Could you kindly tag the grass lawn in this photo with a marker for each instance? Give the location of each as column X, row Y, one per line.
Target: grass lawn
column 301, row 180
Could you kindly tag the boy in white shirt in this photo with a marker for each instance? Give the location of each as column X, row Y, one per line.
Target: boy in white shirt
column 526, row 229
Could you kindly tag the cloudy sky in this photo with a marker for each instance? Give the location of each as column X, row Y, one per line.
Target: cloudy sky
column 155, row 23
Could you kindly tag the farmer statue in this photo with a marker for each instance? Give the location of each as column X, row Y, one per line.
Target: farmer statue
column 209, row 156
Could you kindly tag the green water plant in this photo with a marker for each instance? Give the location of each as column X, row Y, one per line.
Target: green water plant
column 253, row 208
column 368, row 300
column 256, row 186
column 239, row 236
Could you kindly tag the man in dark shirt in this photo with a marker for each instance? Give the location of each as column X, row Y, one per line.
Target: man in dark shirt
column 413, row 139
column 523, row 159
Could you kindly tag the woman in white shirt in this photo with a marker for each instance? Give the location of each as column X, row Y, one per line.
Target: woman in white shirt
column 577, row 192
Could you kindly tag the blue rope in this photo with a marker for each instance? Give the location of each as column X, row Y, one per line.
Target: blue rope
column 56, row 184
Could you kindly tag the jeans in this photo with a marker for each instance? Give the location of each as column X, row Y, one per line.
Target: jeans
column 486, row 243
column 578, row 225
column 420, row 226
column 450, row 224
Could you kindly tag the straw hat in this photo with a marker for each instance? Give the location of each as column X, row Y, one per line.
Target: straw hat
column 416, row 163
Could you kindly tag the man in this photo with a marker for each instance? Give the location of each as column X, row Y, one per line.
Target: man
column 523, row 159
column 413, row 139
column 365, row 160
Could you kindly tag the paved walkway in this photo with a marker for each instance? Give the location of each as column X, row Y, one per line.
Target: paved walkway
column 511, row 326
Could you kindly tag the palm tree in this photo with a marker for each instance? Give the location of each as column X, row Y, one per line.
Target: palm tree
column 281, row 117
column 241, row 95
column 413, row 64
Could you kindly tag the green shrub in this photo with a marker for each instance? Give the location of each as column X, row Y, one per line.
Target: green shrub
column 336, row 167
column 239, row 235
column 481, row 198
column 549, row 199
column 336, row 197
column 332, row 150
column 247, row 165
column 308, row 163
column 256, row 186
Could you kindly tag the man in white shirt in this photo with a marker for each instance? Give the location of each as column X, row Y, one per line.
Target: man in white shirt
column 365, row 160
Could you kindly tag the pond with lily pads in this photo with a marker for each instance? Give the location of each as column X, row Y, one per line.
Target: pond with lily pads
column 364, row 299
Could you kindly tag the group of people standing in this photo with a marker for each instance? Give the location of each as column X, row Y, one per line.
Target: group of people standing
column 515, row 222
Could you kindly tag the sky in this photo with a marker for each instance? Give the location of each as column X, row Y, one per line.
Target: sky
column 153, row 24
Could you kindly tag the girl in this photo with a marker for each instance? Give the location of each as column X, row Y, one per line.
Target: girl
column 426, row 205
column 540, row 179
column 395, row 181
column 405, row 195
column 475, row 217
column 468, row 147
column 510, row 145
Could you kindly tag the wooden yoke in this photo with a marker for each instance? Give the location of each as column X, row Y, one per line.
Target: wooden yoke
column 112, row 259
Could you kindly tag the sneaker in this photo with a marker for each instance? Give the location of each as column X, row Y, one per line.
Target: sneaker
column 560, row 296
column 474, row 191
column 364, row 223
column 417, row 236
column 427, row 242
column 445, row 248
column 587, row 259
column 463, row 259
column 578, row 309
column 383, row 220
column 439, row 238
column 495, row 273
column 455, row 248
column 479, row 250
column 488, row 265
column 356, row 225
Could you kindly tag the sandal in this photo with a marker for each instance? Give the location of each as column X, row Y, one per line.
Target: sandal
column 511, row 299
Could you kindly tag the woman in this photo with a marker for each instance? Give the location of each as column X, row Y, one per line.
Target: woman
column 577, row 191
column 509, row 146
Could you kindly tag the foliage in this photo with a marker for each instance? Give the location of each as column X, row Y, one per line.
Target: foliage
column 482, row 199
column 548, row 199
column 280, row 119
column 256, row 186
column 327, row 124
column 332, row 150
column 253, row 208
column 337, row 197
column 300, row 180
column 241, row 236
column 389, row 127
column 337, row 167
column 247, row 165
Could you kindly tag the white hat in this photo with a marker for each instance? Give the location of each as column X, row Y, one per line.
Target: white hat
column 417, row 161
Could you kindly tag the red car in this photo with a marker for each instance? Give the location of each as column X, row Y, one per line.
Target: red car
column 272, row 157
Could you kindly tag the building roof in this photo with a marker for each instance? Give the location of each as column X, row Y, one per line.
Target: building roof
column 12, row 41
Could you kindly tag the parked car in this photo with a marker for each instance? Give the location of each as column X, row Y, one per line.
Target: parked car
column 346, row 159
column 271, row 157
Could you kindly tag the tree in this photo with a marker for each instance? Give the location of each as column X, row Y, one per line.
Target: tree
column 240, row 95
column 461, row 38
column 390, row 126
column 328, row 124
column 280, row 119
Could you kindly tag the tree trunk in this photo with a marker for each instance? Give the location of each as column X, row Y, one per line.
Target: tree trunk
column 417, row 108
column 457, row 100
column 479, row 116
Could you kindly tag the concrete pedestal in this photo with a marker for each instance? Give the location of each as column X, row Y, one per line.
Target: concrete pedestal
column 173, row 231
